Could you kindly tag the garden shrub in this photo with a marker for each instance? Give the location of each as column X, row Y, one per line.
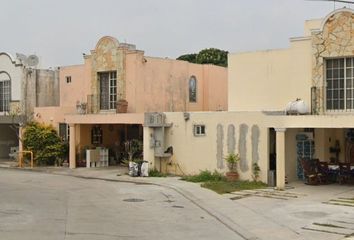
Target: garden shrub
column 44, row 142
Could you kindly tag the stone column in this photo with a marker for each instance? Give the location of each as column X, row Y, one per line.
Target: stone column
column 72, row 148
column 280, row 146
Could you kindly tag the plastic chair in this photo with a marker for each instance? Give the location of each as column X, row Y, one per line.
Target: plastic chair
column 344, row 175
column 310, row 173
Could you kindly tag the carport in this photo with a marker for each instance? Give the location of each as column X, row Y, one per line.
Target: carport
column 331, row 136
column 101, row 131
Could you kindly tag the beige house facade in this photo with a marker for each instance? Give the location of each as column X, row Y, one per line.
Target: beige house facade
column 283, row 105
column 103, row 100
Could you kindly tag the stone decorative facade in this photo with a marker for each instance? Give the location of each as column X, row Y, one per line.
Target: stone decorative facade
column 109, row 55
column 334, row 39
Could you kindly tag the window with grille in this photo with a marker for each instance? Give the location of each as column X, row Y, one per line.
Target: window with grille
column 64, row 132
column 5, row 95
column 68, row 79
column 199, row 130
column 108, row 90
column 339, row 84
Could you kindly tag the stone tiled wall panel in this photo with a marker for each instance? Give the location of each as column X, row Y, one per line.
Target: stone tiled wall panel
column 108, row 56
column 335, row 40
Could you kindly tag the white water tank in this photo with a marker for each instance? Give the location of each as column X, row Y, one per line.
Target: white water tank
column 297, row 107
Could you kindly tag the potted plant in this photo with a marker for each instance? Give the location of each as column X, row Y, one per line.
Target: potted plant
column 122, row 106
column 232, row 159
column 81, row 107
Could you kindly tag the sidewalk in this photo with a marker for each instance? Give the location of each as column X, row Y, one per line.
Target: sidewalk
column 239, row 216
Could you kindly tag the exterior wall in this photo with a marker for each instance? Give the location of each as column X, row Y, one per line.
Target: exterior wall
column 148, row 84
column 79, row 87
column 50, row 115
column 192, row 154
column 47, row 86
column 311, row 25
column 268, row 80
column 155, row 84
column 40, row 89
column 335, row 39
column 15, row 71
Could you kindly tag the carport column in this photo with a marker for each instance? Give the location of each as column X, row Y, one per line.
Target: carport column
column 72, row 149
column 280, row 146
column 20, row 134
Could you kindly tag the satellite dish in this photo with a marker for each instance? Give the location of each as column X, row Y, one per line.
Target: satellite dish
column 22, row 58
column 32, row 60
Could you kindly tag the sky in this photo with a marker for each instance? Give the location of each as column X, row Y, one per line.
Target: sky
column 60, row 31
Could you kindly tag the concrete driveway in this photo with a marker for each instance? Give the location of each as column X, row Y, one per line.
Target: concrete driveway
column 311, row 212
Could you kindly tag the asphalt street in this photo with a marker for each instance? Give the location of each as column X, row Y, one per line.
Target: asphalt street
column 43, row 206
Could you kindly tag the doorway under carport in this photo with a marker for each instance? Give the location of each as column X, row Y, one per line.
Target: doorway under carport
column 110, row 137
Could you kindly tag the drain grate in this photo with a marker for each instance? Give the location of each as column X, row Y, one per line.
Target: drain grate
column 133, row 200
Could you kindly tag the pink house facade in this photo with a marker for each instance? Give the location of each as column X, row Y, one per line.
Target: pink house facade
column 90, row 115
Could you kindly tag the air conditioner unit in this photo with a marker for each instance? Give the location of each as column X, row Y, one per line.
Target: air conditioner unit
column 154, row 119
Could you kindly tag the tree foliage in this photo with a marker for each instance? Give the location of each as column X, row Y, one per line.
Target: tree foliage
column 207, row 56
column 44, row 142
column 192, row 58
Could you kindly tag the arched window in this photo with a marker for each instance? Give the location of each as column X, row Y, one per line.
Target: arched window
column 5, row 92
column 192, row 89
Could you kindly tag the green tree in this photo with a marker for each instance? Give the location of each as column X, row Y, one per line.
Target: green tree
column 207, row 56
column 192, row 58
column 44, row 142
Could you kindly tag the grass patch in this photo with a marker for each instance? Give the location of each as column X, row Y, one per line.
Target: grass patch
column 155, row 173
column 228, row 187
column 204, row 176
column 217, row 182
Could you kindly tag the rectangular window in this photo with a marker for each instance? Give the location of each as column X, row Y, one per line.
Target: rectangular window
column 96, row 135
column 68, row 79
column 64, row 132
column 5, row 94
column 339, row 84
column 199, row 130
column 108, row 90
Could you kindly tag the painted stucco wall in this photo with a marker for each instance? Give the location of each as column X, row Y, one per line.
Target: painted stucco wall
column 193, row 154
column 148, row 84
column 48, row 91
column 79, row 88
column 269, row 80
column 40, row 89
column 15, row 71
column 155, row 84
column 49, row 115
column 312, row 25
